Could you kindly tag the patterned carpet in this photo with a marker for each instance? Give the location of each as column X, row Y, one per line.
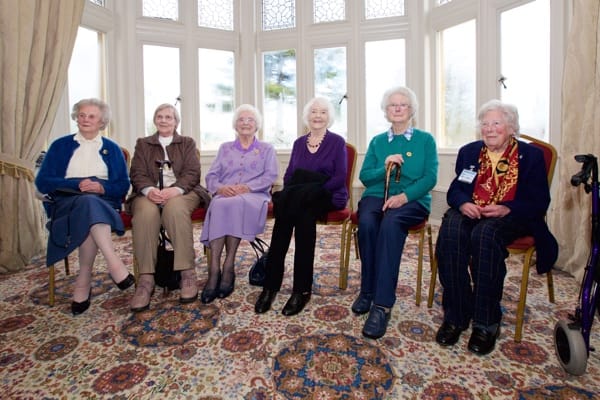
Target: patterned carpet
column 225, row 351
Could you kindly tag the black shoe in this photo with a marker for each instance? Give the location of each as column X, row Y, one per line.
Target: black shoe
column 264, row 301
column 448, row 334
column 377, row 322
column 482, row 342
column 295, row 304
column 125, row 283
column 225, row 291
column 362, row 304
column 80, row 307
column 208, row 295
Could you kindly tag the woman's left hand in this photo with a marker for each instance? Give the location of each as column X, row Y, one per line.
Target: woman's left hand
column 494, row 210
column 169, row 193
column 396, row 201
column 90, row 186
column 233, row 190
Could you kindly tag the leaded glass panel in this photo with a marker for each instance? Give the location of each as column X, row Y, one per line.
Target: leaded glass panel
column 217, row 14
column 329, row 10
column 168, row 9
column 442, row 2
column 98, row 2
column 383, row 8
column 278, row 14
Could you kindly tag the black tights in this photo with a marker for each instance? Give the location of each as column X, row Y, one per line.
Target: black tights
column 231, row 244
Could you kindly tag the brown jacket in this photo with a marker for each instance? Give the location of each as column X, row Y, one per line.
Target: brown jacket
column 183, row 155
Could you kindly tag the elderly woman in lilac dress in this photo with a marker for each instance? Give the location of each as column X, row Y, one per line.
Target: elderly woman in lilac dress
column 314, row 183
column 240, row 179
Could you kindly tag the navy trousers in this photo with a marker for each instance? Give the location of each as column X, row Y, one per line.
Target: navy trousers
column 381, row 238
column 475, row 293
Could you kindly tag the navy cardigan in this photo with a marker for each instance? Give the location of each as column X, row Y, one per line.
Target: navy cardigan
column 531, row 200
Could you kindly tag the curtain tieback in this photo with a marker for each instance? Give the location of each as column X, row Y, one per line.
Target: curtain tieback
column 16, row 167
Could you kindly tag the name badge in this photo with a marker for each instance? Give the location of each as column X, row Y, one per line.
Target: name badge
column 467, row 176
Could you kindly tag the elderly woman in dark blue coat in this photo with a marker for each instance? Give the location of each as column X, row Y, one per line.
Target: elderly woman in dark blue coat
column 84, row 175
column 500, row 193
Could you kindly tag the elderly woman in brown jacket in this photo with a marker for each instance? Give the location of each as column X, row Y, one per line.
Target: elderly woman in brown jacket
column 181, row 194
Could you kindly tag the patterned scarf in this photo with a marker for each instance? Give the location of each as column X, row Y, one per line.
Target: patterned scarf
column 497, row 185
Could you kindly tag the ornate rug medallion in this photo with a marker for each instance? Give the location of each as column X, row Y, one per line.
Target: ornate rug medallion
column 332, row 366
column 169, row 323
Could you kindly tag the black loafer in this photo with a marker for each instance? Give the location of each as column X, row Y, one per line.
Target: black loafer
column 264, row 301
column 362, row 304
column 80, row 307
column 448, row 334
column 295, row 304
column 482, row 342
column 377, row 322
column 125, row 283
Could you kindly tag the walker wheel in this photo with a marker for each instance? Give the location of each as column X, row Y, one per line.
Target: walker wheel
column 570, row 348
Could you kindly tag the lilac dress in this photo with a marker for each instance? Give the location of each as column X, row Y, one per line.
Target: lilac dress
column 242, row 216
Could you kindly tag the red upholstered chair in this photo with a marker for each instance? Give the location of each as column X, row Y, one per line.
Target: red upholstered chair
column 339, row 217
column 420, row 229
column 526, row 244
column 126, row 222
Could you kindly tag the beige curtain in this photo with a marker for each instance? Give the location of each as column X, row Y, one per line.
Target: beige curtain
column 36, row 41
column 580, row 134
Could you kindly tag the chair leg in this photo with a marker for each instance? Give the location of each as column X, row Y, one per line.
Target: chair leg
column 550, row 286
column 343, row 279
column 51, row 282
column 523, row 296
column 421, row 245
column 432, row 268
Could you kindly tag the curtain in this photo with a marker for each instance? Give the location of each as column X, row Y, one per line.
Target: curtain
column 36, row 42
column 570, row 220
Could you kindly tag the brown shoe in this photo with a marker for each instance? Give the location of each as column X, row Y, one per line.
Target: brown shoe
column 189, row 287
column 141, row 299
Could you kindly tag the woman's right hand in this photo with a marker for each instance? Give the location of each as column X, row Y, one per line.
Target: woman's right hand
column 470, row 210
column 233, row 190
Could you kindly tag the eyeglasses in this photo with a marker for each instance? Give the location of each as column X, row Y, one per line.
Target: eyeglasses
column 246, row 120
column 402, row 106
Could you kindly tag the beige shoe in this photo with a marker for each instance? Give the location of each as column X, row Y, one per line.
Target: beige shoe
column 141, row 299
column 189, row 287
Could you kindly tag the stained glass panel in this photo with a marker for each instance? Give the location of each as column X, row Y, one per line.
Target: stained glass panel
column 168, row 9
column 278, row 14
column 383, row 8
column 329, row 10
column 216, row 14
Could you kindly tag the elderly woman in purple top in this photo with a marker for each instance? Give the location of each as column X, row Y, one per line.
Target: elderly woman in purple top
column 240, row 179
column 314, row 183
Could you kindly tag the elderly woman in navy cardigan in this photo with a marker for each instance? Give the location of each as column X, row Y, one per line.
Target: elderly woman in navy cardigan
column 85, row 177
column 499, row 194
column 314, row 183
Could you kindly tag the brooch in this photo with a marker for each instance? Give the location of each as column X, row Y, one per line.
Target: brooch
column 409, row 154
column 105, row 152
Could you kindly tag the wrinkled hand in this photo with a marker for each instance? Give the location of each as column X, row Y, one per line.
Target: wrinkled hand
column 233, row 190
column 90, row 186
column 158, row 196
column 470, row 210
column 394, row 158
column 396, row 201
column 495, row 210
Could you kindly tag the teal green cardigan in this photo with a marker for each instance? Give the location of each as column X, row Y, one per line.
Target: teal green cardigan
column 419, row 171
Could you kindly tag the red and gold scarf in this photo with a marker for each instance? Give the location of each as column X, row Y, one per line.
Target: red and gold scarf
column 497, row 185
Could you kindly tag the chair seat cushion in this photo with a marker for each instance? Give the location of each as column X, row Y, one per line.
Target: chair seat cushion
column 522, row 243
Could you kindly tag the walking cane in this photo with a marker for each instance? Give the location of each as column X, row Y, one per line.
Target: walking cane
column 388, row 174
column 162, row 233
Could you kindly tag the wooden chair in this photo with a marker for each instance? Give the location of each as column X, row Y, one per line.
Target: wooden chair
column 339, row 217
column 524, row 245
column 126, row 218
column 420, row 229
